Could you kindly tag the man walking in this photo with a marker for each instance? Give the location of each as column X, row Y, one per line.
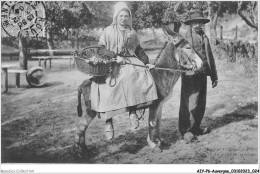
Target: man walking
column 194, row 88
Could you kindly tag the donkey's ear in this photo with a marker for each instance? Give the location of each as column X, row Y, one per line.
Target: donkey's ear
column 167, row 31
column 170, row 33
column 173, row 36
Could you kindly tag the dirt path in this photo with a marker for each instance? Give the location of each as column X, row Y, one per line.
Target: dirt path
column 38, row 125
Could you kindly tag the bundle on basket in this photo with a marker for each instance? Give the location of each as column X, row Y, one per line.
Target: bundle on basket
column 94, row 60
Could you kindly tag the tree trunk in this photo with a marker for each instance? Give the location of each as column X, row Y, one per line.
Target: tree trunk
column 77, row 38
column 212, row 26
column 236, row 33
column 67, row 38
column 154, row 35
column 214, row 33
column 22, row 53
column 215, row 21
column 207, row 26
column 50, row 42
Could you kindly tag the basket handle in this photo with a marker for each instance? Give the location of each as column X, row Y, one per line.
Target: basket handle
column 89, row 47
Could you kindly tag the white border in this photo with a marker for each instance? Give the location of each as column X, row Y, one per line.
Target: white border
column 122, row 168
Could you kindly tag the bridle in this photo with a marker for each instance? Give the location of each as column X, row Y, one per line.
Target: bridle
column 177, row 43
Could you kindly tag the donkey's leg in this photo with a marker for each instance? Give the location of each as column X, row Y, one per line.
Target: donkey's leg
column 89, row 116
column 154, row 121
column 82, row 127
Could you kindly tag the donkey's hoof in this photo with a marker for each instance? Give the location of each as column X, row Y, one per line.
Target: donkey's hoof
column 155, row 146
column 79, row 150
column 156, row 149
column 79, row 146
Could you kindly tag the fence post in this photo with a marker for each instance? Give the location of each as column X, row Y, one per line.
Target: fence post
column 221, row 32
column 22, row 52
column 6, row 79
column 235, row 46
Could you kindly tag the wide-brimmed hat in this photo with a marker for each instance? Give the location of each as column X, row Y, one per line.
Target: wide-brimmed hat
column 196, row 16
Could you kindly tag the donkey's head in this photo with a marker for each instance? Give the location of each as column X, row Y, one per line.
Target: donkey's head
column 183, row 52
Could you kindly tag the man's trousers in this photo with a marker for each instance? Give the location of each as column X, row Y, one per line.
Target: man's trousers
column 193, row 103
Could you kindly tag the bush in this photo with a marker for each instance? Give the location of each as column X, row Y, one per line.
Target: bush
column 10, row 41
column 244, row 65
column 33, row 43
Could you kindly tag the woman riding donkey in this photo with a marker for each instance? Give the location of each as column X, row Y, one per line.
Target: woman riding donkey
column 128, row 85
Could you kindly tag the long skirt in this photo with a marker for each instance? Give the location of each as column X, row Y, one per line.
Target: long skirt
column 130, row 85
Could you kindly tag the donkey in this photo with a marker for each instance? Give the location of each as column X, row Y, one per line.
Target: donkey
column 176, row 57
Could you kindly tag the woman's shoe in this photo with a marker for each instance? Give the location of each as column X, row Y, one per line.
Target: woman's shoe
column 134, row 121
column 109, row 131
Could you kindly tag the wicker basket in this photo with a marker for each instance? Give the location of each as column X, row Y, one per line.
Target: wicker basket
column 88, row 67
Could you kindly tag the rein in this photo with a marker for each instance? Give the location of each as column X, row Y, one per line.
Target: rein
column 157, row 57
column 166, row 69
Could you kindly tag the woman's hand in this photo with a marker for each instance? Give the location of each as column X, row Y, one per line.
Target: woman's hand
column 120, row 60
column 150, row 66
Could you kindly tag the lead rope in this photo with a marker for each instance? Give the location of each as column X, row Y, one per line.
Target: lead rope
column 111, row 76
column 111, row 65
column 142, row 112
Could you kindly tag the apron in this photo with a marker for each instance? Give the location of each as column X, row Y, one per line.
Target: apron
column 130, row 85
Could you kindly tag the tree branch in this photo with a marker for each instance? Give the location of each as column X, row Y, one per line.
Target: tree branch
column 248, row 22
column 215, row 19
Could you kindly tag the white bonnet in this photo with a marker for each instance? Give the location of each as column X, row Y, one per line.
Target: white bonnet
column 117, row 8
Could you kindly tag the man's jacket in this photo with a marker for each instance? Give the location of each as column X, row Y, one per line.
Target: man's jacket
column 201, row 46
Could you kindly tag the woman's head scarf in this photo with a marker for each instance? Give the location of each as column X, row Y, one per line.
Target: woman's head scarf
column 117, row 9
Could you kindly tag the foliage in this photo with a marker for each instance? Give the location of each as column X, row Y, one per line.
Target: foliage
column 53, row 16
column 76, row 14
column 87, row 15
column 147, row 14
column 229, row 7
column 10, row 41
column 155, row 14
column 102, row 11
column 183, row 9
column 68, row 19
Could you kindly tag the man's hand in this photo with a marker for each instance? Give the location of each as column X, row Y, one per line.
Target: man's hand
column 214, row 83
column 120, row 60
column 150, row 66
